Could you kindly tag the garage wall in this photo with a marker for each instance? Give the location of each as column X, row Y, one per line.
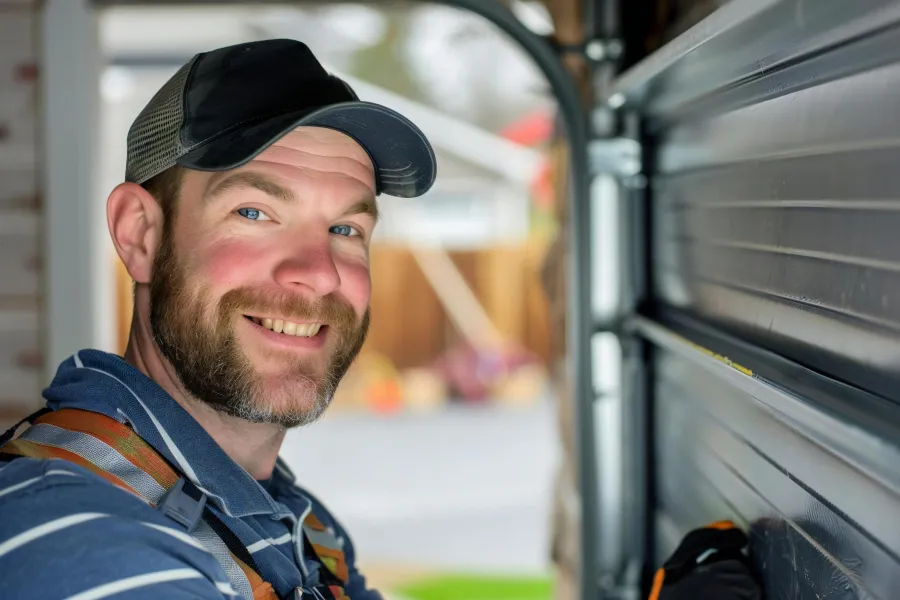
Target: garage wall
column 21, row 290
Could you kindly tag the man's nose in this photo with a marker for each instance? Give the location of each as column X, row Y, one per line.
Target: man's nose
column 309, row 264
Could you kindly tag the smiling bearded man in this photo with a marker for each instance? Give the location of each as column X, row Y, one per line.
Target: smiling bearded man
column 198, row 338
column 245, row 221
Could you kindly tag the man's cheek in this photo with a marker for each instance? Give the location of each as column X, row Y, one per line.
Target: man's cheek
column 230, row 264
column 357, row 286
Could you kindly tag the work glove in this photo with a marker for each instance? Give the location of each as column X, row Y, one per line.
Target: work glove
column 708, row 565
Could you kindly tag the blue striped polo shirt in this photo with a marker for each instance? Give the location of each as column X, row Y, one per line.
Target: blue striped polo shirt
column 68, row 533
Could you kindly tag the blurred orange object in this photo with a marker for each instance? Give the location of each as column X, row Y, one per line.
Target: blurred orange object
column 385, row 396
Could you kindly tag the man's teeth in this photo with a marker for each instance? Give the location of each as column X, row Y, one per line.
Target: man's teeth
column 289, row 327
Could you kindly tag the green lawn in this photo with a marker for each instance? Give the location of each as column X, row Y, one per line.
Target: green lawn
column 469, row 587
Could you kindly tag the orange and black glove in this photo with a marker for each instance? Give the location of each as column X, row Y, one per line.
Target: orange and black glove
column 709, row 564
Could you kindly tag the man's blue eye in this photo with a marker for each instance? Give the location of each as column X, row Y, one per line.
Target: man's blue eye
column 345, row 230
column 250, row 213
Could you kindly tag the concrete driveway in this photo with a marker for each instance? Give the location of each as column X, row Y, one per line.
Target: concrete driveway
column 466, row 488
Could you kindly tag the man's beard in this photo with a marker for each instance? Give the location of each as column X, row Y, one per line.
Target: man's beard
column 213, row 368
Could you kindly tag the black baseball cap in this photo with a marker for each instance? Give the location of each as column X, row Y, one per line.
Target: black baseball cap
column 224, row 107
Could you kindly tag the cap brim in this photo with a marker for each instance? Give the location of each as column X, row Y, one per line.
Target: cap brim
column 405, row 165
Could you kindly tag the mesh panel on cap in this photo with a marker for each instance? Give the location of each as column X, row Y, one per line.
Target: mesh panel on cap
column 153, row 141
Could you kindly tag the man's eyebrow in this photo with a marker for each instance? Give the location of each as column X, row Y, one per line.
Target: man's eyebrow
column 251, row 180
column 364, row 207
column 368, row 206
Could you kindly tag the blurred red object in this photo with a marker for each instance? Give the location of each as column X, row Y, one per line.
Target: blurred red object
column 26, row 72
column 531, row 130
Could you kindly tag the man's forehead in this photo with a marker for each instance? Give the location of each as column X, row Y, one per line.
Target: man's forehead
column 310, row 155
column 324, row 141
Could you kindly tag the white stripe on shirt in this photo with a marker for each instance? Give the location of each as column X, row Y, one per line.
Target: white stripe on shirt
column 253, row 548
column 46, row 529
column 27, row 482
column 19, row 486
column 62, row 472
column 225, row 588
column 137, row 581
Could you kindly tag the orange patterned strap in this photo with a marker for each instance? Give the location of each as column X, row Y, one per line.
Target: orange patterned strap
column 116, row 435
column 30, row 449
column 327, row 547
column 116, row 453
column 262, row 590
column 102, row 445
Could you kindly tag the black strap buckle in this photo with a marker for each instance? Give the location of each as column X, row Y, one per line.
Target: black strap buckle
column 184, row 503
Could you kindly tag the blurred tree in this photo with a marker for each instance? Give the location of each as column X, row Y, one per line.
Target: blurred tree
column 385, row 64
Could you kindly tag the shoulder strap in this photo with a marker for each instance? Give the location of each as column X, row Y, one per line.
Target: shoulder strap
column 322, row 542
column 115, row 452
column 9, row 433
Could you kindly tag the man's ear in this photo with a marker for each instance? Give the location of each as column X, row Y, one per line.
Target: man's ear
column 135, row 222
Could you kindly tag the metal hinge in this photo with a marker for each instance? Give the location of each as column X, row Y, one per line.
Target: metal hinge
column 603, row 50
column 618, row 156
column 598, row 51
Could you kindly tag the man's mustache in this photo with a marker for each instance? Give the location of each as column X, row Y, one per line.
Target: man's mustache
column 329, row 310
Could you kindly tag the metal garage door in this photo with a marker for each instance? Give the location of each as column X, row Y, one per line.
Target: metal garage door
column 773, row 131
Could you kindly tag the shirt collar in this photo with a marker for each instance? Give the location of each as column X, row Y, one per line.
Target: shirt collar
column 107, row 384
